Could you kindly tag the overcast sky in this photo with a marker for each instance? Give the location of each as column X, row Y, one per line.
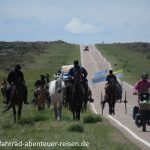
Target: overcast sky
column 76, row 21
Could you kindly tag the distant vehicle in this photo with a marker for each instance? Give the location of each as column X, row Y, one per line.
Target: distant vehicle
column 86, row 48
column 64, row 76
column 64, row 71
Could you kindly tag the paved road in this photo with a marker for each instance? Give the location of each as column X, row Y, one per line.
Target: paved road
column 93, row 61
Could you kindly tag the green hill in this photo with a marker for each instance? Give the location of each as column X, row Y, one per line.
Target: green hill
column 133, row 58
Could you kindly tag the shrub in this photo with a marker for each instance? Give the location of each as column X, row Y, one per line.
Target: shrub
column 76, row 128
column 92, row 119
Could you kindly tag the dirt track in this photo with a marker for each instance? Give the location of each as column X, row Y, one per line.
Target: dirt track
column 94, row 62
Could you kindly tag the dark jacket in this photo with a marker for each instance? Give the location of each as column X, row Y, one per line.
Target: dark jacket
column 74, row 70
column 111, row 78
column 15, row 77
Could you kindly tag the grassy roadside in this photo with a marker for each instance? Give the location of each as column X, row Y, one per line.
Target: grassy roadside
column 133, row 58
column 41, row 127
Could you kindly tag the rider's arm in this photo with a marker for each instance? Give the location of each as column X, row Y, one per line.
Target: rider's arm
column 70, row 73
column 136, row 87
column 107, row 78
column 22, row 76
column 10, row 78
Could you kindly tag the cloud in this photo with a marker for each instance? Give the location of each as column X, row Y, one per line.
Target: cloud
column 75, row 25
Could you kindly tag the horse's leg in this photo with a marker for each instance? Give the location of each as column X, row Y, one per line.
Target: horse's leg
column 73, row 109
column 55, row 111
column 60, row 111
column 19, row 111
column 43, row 105
column 109, row 108
column 78, row 112
column 14, row 113
column 73, row 112
column 85, row 105
column 114, row 108
column 39, row 108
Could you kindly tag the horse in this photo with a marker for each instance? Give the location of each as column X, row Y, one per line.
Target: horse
column 17, row 97
column 78, row 100
column 67, row 94
column 56, row 92
column 111, row 97
column 4, row 88
column 40, row 95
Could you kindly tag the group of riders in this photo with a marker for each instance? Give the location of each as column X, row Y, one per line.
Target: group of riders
column 76, row 74
column 16, row 78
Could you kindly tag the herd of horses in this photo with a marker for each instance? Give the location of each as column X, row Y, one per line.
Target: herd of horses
column 62, row 93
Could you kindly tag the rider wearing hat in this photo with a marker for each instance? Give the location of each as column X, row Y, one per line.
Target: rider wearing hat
column 41, row 83
column 15, row 78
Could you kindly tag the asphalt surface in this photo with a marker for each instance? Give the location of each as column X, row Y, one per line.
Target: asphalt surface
column 93, row 61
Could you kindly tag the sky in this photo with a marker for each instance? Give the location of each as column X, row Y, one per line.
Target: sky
column 75, row 21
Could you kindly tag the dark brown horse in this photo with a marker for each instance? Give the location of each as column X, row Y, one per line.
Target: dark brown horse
column 112, row 97
column 17, row 98
column 77, row 97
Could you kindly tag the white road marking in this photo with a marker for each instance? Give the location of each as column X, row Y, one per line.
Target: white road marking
column 129, row 131
column 118, row 122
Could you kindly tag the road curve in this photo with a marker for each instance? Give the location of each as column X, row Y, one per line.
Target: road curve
column 93, row 61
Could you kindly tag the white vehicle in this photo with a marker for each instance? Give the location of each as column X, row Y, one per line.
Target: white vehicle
column 64, row 71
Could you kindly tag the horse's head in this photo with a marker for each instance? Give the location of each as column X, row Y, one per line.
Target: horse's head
column 78, row 78
column 59, row 85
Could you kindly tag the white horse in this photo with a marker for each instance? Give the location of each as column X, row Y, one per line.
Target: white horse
column 56, row 91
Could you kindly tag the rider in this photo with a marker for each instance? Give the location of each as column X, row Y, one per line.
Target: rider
column 41, row 83
column 43, row 80
column 73, row 73
column 47, row 78
column 111, row 78
column 142, row 86
column 15, row 78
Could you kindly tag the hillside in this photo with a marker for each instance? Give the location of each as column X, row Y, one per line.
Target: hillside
column 133, row 58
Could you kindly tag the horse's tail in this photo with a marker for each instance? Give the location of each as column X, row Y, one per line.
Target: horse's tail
column 7, row 108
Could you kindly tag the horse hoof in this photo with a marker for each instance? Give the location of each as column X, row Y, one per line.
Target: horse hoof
column 58, row 118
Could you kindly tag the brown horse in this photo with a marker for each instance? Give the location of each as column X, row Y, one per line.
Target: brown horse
column 40, row 97
column 16, row 98
column 77, row 102
column 111, row 97
column 4, row 88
